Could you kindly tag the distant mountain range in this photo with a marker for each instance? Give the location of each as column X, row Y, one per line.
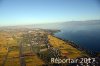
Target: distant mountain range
column 56, row 25
column 70, row 23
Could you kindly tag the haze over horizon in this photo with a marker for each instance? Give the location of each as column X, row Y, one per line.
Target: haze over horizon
column 22, row 12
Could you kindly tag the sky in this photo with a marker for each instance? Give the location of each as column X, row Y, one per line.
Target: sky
column 22, row 12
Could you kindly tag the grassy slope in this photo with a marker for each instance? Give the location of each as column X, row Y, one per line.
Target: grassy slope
column 65, row 47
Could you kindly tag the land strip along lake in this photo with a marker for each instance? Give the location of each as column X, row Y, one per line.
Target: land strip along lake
column 84, row 33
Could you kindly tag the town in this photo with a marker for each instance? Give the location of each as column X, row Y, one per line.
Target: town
column 35, row 47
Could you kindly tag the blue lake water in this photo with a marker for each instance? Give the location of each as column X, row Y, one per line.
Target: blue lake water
column 84, row 33
column 87, row 36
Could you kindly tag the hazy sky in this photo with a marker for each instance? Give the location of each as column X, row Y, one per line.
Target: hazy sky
column 19, row 12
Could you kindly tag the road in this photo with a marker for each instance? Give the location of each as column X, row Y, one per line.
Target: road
column 5, row 58
column 22, row 58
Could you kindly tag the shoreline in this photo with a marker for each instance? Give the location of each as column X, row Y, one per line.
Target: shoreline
column 89, row 52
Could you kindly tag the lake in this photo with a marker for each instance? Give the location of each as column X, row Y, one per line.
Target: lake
column 87, row 36
column 84, row 33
